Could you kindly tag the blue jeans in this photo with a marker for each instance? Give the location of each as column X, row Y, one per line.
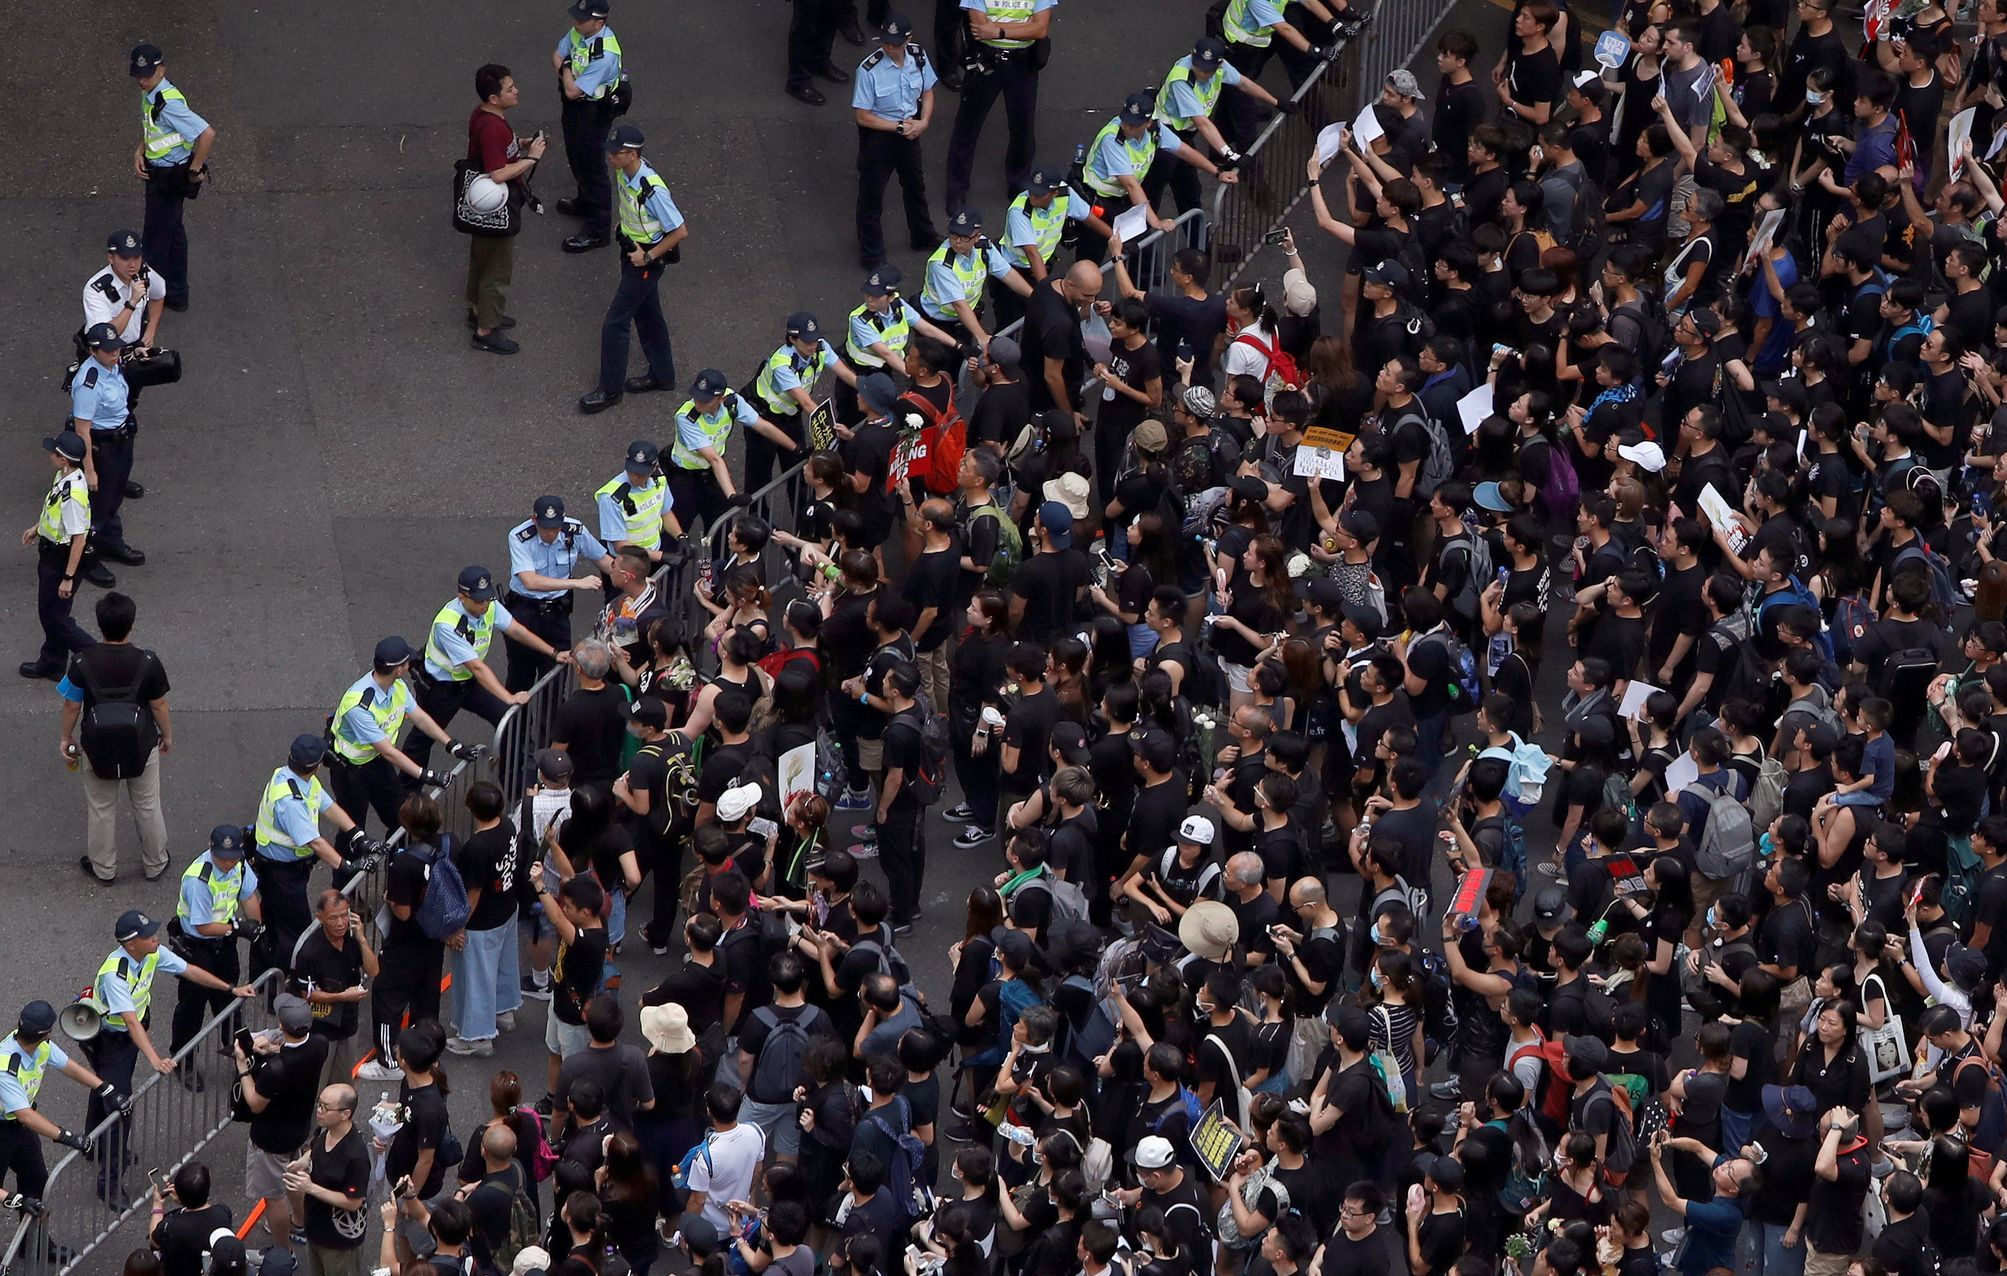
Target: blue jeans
column 1759, row 1251
column 1142, row 641
column 487, row 981
column 1736, row 1127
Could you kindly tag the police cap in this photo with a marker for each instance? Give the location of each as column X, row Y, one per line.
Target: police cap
column 133, row 924
column 585, row 9
column 550, row 512
column 478, row 583
column 802, row 324
column 392, row 652
column 710, row 383
column 1208, row 53
column 69, row 445
column 38, row 1019
column 1136, row 108
column 307, row 751
column 1042, row 181
column 102, row 336
column 641, row 456
column 882, row 282
column 966, row 221
column 624, row 138
column 144, row 58
column 123, row 242
column 226, row 841
column 897, row 29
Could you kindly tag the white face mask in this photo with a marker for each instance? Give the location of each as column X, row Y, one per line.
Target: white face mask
column 1815, row 99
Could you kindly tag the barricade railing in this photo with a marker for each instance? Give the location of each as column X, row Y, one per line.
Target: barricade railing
column 87, row 1200
column 1272, row 179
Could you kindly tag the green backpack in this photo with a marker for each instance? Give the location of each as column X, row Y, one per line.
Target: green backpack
column 1010, row 546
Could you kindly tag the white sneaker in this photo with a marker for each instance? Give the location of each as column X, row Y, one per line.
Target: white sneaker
column 375, row 1071
column 1673, row 1235
column 1547, row 870
column 506, row 1021
column 479, row 1048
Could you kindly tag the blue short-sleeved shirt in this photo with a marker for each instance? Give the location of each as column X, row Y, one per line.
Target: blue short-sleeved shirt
column 657, row 201
column 692, row 436
column 1262, row 14
column 1111, row 157
column 1711, row 1228
column 202, row 906
column 943, row 282
column 115, row 994
column 891, row 90
column 458, row 650
column 175, row 113
column 1185, row 102
column 14, row 1096
column 863, row 335
column 100, row 395
column 600, row 72
column 1017, row 223
column 292, row 814
column 785, row 376
column 556, row 559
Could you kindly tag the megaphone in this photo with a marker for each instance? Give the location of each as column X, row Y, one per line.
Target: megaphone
column 81, row 1020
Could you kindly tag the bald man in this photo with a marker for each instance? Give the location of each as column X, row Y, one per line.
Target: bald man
column 490, row 1197
column 1054, row 358
column 1311, row 949
column 1247, row 894
column 330, row 1185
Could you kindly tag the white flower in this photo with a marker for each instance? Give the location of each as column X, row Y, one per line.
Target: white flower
column 1298, row 565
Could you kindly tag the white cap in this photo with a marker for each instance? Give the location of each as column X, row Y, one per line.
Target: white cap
column 735, row 803
column 1196, row 828
column 1582, row 78
column 1647, row 455
column 1154, row 1153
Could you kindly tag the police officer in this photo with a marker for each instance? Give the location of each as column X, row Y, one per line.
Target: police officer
column 1121, row 155
column 1003, row 61
column 811, row 31
column 59, row 536
column 172, row 158
column 636, row 505
column 700, row 483
column 1185, row 103
column 1251, row 28
column 958, row 274
column 364, row 731
column 784, row 390
column 455, row 674
column 588, row 63
column 879, row 331
column 287, row 839
column 122, row 993
column 126, row 295
column 893, row 103
column 1033, row 228
column 543, row 550
column 101, row 409
column 651, row 229
column 26, row 1055
column 219, row 904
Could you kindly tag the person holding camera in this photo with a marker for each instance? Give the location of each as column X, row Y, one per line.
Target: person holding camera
column 183, row 1220
column 494, row 149
column 279, row 1077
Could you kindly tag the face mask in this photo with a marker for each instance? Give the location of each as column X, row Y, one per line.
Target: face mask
column 1764, row 846
column 1713, row 921
column 1815, row 99
column 1377, row 937
column 1379, row 980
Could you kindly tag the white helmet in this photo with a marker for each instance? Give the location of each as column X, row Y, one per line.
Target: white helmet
column 485, row 194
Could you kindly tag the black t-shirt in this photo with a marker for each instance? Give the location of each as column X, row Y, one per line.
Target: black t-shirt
column 869, row 453
column 1049, row 585
column 592, row 725
column 291, row 1081
column 1154, row 819
column 648, row 772
column 1000, row 414
column 404, row 885
column 935, row 580
column 1028, row 728
column 1194, row 323
column 1535, row 78
column 1135, row 369
column 905, row 752
column 575, row 974
column 492, row 1204
column 425, row 1126
column 183, row 1237
column 1051, row 331
column 317, row 966
column 115, row 666
column 487, row 863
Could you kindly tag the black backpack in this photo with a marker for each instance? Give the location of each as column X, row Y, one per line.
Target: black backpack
column 117, row 731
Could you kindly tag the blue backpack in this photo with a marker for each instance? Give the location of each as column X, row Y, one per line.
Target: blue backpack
column 443, row 912
column 1796, row 593
column 1942, row 592
column 904, row 1177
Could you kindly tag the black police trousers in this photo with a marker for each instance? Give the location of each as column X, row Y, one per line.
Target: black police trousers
column 550, row 620
column 697, row 496
column 21, row 1156
column 811, row 33
column 637, row 301
column 111, row 454
column 62, row 636
column 359, row 788
column 113, row 1057
column 1183, row 179
column 194, row 1004
column 444, row 700
column 163, row 234
column 879, row 156
column 1012, row 78
column 282, row 891
column 585, row 125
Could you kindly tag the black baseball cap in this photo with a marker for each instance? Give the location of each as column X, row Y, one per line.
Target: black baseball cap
column 38, row 1018
column 624, row 138
column 710, row 383
column 144, row 58
column 102, row 336
column 584, row 9
column 227, row 840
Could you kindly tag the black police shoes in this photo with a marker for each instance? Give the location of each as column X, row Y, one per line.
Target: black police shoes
column 851, row 31
column 36, row 669
column 598, row 401
column 643, row 385
column 584, row 243
column 97, row 573
column 570, row 207
column 134, row 491
column 496, row 343
column 120, row 552
column 807, row 94
column 833, row 73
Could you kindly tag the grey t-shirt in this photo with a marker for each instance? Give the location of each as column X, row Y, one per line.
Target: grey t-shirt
column 622, row 1075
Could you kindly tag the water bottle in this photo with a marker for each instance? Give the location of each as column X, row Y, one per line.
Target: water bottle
column 1598, row 932
column 704, row 573
column 73, row 756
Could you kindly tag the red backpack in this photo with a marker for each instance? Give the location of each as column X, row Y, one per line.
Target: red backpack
column 936, row 460
column 1282, row 374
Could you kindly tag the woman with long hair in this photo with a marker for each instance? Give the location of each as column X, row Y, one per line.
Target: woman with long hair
column 1066, row 675
column 1257, row 607
column 1108, row 658
column 1523, row 628
column 747, row 604
column 1151, row 556
column 1393, row 1000
column 678, row 1071
column 975, row 677
column 1575, row 1189
column 1055, row 450
column 1250, row 315
column 1340, row 396
column 970, row 957
column 629, row 1198
column 830, row 1107
column 1655, row 743
column 505, row 1108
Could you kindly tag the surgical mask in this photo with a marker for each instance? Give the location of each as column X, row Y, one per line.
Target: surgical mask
column 1765, row 845
column 1816, row 99
column 1379, row 980
column 1378, row 938
column 1713, row 919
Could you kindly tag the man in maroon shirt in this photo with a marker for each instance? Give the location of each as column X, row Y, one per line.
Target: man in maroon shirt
column 493, row 148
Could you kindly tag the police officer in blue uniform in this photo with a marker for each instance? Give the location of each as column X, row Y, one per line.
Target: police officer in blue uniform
column 1035, row 226
column 543, row 551
column 651, row 232
column 101, row 412
column 958, row 276
column 893, row 103
column 1185, row 104
column 1008, row 45
column 26, row 1056
column 172, row 158
column 363, row 733
column 287, row 840
column 59, row 534
column 784, row 392
column 590, row 79
column 700, row 482
column 122, row 994
column 877, row 336
column 455, row 673
column 218, row 906
column 811, row 32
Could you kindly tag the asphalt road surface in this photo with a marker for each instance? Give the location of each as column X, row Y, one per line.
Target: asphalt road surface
column 337, row 452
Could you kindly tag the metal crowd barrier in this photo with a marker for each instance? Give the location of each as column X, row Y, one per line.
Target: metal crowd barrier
column 1271, row 176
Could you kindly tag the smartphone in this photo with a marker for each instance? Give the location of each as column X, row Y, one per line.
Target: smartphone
column 153, row 1176
column 761, row 826
column 245, row 1041
column 1275, row 236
